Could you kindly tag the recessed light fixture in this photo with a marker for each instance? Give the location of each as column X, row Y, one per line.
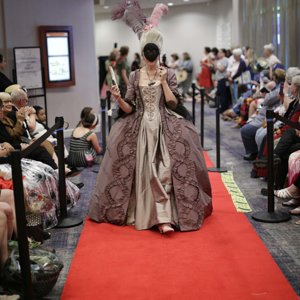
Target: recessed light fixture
column 186, row 0
column 170, row 4
column 106, row 7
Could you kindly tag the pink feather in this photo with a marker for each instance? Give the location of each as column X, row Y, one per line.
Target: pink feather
column 158, row 11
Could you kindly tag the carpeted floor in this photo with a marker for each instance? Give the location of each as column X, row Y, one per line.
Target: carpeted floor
column 281, row 239
column 224, row 260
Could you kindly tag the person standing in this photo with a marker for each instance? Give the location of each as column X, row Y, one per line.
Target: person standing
column 123, row 70
column 153, row 173
column 236, row 70
column 136, row 64
column 223, row 91
column 186, row 65
column 204, row 77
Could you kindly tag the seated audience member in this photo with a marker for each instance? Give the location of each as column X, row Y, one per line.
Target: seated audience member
column 291, row 195
column 14, row 132
column 260, row 137
column 4, row 81
column 6, row 230
column 7, row 198
column 269, row 55
column 40, row 182
column 289, row 143
column 84, row 144
column 248, row 131
column 40, row 125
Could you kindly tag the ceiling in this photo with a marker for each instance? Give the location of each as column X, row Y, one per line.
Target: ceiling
column 105, row 6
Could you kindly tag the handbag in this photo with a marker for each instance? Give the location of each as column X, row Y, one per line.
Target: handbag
column 45, row 268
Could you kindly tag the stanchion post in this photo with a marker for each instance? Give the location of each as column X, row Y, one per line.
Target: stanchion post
column 271, row 216
column 64, row 221
column 21, row 224
column 218, row 167
column 194, row 102
column 202, row 95
column 103, row 123
column 108, row 97
column 61, row 168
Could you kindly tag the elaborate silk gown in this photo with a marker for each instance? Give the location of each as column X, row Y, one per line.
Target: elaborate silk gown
column 153, row 170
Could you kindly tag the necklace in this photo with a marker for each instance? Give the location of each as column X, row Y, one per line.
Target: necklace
column 151, row 81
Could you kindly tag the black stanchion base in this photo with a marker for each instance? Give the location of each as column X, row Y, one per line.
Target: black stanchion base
column 69, row 222
column 217, row 170
column 207, row 149
column 271, row 217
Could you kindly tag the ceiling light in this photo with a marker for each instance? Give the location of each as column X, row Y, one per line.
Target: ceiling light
column 170, row 4
column 106, row 7
column 186, row 0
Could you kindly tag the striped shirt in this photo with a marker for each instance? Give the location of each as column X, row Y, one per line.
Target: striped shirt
column 79, row 149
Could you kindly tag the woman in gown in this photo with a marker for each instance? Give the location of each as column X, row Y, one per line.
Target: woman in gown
column 153, row 172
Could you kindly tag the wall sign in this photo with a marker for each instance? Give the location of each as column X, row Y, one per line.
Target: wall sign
column 28, row 68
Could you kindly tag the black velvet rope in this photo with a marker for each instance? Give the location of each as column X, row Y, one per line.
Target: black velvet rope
column 36, row 143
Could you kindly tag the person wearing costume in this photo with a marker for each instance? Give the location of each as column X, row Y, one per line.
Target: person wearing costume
column 153, row 172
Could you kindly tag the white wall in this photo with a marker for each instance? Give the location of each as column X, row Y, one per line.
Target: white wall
column 22, row 19
column 186, row 28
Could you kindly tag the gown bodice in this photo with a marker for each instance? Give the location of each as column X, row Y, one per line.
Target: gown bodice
column 151, row 96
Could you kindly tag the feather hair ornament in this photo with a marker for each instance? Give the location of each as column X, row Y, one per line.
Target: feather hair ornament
column 132, row 14
column 158, row 11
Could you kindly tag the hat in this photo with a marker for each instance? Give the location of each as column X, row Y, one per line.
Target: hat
column 269, row 47
column 237, row 52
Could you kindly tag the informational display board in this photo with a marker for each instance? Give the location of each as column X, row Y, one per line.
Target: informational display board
column 58, row 56
column 28, row 67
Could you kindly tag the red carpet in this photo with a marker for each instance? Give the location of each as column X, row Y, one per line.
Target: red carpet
column 224, row 260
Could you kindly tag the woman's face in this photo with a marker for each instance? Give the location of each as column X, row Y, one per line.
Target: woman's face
column 41, row 116
column 151, row 63
column 294, row 89
column 221, row 54
column 7, row 106
column 1, row 112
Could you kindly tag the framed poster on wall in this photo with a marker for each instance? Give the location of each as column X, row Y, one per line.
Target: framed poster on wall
column 28, row 67
column 57, row 55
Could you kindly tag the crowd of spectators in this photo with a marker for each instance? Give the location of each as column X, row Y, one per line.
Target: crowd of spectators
column 20, row 125
column 246, row 86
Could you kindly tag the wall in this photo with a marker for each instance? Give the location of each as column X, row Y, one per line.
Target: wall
column 22, row 19
column 185, row 28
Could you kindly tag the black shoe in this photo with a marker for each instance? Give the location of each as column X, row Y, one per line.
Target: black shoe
column 80, row 185
column 250, row 157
